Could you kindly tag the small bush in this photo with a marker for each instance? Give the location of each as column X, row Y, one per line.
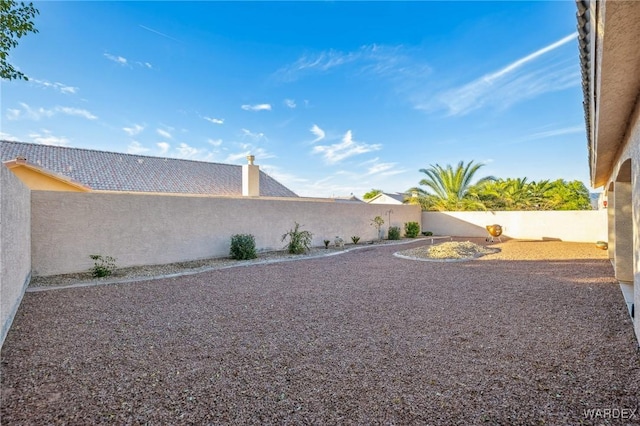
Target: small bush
column 411, row 229
column 243, row 246
column 326, row 243
column 355, row 239
column 102, row 266
column 394, row 232
column 299, row 241
column 427, row 233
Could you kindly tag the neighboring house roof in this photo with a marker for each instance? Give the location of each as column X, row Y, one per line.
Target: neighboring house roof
column 387, row 198
column 347, row 199
column 112, row 171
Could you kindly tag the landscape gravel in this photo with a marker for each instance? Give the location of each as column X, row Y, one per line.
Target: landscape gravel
column 537, row 333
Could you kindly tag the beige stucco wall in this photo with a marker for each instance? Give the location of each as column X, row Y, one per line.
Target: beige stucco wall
column 579, row 226
column 15, row 246
column 156, row 229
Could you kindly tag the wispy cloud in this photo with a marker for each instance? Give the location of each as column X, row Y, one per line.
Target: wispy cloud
column 290, row 103
column 157, row 32
column 318, row 132
column 215, row 142
column 134, row 130
column 393, row 62
column 551, row 133
column 47, row 138
column 257, row 107
column 524, row 78
column 347, row 148
column 60, row 87
column 29, row 113
column 214, row 120
column 121, row 60
column 247, row 149
column 164, row 133
column 8, row 137
column 136, row 148
column 77, row 112
column 254, row 137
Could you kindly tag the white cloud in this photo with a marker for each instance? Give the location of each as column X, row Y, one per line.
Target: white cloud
column 186, row 151
column 318, row 132
column 132, row 131
column 8, row 137
column 522, row 79
column 46, row 138
column 38, row 113
column 62, row 88
column 255, row 137
column 77, row 112
column 136, row 148
column 248, row 149
column 215, row 142
column 164, row 147
column 290, row 103
column 345, row 149
column 215, row 120
column 257, row 107
column 164, row 133
column 117, row 59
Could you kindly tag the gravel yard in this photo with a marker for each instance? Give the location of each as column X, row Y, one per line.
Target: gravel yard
column 535, row 334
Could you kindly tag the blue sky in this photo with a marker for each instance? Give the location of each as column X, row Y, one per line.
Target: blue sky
column 332, row 98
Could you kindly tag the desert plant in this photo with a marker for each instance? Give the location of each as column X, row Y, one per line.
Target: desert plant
column 243, row 246
column 411, row 229
column 427, row 233
column 355, row 239
column 103, row 266
column 378, row 222
column 299, row 241
column 394, row 232
column 326, row 243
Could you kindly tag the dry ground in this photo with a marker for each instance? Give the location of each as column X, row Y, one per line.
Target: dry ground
column 535, row 334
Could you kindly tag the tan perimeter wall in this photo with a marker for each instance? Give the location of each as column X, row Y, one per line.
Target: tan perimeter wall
column 577, row 226
column 15, row 246
column 155, row 229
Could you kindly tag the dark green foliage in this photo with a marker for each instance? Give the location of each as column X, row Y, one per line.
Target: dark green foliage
column 299, row 241
column 411, row 229
column 427, row 233
column 16, row 20
column 326, row 243
column 394, row 233
column 103, row 266
column 243, row 247
column 355, row 239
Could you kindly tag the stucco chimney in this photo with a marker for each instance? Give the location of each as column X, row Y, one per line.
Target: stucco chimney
column 250, row 178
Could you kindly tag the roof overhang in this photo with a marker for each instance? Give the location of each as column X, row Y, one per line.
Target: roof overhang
column 14, row 164
column 610, row 53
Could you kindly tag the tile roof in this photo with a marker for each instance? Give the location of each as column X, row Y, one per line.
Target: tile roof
column 112, row 171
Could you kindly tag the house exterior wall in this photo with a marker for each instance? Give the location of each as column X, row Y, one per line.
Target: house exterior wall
column 15, row 246
column 577, row 226
column 156, row 229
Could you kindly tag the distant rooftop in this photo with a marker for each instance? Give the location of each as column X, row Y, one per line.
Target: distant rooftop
column 112, row 171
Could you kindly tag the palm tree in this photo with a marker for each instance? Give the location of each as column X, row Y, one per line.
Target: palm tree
column 453, row 189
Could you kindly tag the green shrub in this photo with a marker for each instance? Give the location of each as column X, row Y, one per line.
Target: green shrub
column 102, row 266
column 243, row 246
column 394, row 232
column 299, row 241
column 326, row 243
column 411, row 229
column 427, row 233
column 355, row 239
